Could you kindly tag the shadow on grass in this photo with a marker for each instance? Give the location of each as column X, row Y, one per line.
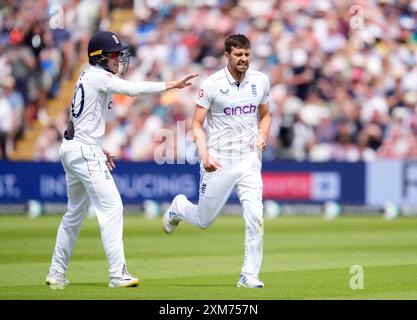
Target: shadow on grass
column 88, row 284
column 202, row 285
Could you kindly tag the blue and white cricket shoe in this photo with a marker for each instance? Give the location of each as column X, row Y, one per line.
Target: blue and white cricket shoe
column 246, row 281
column 170, row 220
column 124, row 281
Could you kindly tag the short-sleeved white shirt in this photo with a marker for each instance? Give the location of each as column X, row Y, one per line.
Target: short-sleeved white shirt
column 232, row 119
column 92, row 101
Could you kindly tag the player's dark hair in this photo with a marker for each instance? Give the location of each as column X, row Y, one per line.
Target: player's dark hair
column 100, row 60
column 238, row 41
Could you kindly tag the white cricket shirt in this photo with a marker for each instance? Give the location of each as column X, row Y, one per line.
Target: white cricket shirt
column 92, row 101
column 232, row 119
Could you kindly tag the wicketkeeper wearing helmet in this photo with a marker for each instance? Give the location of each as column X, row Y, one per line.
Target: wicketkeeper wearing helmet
column 88, row 166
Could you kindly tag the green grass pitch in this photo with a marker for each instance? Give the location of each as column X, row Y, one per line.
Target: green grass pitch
column 304, row 258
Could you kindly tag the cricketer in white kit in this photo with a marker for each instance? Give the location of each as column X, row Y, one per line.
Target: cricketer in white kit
column 88, row 166
column 235, row 102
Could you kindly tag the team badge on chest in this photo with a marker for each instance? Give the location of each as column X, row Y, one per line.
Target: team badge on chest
column 253, row 86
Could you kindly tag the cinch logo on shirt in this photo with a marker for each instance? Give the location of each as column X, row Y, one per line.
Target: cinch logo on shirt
column 230, row 111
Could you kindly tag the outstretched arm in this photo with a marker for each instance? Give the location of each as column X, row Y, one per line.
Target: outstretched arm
column 114, row 84
column 182, row 83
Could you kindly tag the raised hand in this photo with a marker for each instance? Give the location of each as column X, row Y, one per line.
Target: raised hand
column 182, row 83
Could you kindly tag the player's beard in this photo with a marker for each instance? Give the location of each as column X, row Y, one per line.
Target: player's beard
column 240, row 67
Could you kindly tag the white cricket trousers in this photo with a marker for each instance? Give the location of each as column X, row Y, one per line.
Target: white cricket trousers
column 89, row 181
column 215, row 189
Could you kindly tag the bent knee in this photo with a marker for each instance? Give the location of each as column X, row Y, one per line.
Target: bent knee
column 205, row 224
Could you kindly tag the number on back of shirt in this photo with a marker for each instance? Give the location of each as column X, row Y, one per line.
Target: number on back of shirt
column 77, row 103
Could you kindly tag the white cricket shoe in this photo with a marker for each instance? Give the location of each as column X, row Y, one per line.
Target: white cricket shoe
column 55, row 278
column 170, row 220
column 124, row 281
column 249, row 282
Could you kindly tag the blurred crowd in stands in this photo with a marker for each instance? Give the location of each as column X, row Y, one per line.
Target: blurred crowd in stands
column 40, row 44
column 343, row 73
